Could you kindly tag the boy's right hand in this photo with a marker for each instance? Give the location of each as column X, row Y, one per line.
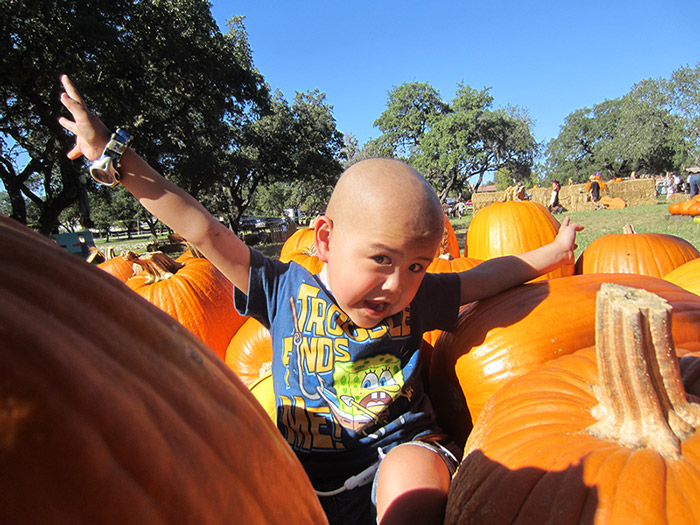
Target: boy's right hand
column 91, row 135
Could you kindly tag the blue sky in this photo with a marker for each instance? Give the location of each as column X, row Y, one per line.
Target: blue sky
column 550, row 57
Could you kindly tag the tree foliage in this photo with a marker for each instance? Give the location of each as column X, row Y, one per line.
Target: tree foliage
column 452, row 143
column 295, row 145
column 652, row 129
column 200, row 111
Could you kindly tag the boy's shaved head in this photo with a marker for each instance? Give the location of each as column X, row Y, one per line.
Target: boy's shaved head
column 386, row 190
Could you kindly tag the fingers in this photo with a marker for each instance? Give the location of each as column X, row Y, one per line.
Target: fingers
column 69, row 125
column 71, row 91
column 74, row 153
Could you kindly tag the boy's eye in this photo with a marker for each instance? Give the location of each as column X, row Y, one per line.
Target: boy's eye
column 381, row 259
column 417, row 268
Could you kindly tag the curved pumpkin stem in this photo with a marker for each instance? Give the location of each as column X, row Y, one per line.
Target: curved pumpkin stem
column 642, row 399
column 158, row 265
column 628, row 228
column 194, row 250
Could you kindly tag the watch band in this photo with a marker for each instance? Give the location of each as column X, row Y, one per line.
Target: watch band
column 104, row 170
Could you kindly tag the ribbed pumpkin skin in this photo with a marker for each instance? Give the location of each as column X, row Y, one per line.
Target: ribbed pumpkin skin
column 119, row 267
column 300, row 240
column 112, row 412
column 249, row 354
column 529, row 461
column 653, row 254
column 449, row 244
column 686, row 276
column 200, row 297
column 458, row 264
column 506, row 335
column 510, row 228
column 305, row 259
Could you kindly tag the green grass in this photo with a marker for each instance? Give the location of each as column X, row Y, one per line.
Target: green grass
column 653, row 218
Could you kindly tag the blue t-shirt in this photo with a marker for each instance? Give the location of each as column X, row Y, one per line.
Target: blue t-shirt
column 342, row 391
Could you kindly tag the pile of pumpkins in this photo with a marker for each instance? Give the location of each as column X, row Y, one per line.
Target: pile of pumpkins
column 687, row 207
column 505, row 383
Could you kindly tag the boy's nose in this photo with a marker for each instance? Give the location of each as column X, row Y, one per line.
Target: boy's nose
column 393, row 282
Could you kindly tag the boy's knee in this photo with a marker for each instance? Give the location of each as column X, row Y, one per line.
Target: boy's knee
column 412, row 483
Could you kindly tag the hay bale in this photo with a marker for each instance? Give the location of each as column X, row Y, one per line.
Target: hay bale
column 483, row 199
column 635, row 192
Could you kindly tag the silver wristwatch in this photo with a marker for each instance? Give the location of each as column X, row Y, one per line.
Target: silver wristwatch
column 104, row 170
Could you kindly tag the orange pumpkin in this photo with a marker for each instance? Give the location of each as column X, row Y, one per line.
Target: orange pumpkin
column 448, row 265
column 506, row 335
column 513, row 227
column 306, row 259
column 562, row 444
column 653, row 254
column 194, row 292
column 249, row 354
column 121, row 266
column 114, row 413
column 689, row 207
column 302, row 239
column 450, row 244
column 686, row 276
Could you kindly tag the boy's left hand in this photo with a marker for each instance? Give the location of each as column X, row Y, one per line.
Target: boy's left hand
column 566, row 239
column 91, row 135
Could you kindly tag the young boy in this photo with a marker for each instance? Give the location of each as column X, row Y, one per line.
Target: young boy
column 346, row 365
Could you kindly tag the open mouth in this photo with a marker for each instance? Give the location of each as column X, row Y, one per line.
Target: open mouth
column 376, row 307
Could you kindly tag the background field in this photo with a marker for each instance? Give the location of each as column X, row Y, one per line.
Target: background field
column 646, row 219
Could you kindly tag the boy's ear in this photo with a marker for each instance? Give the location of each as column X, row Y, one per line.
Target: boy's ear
column 322, row 235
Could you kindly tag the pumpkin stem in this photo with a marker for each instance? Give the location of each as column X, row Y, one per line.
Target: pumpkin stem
column 628, row 228
column 158, row 265
column 194, row 250
column 642, row 402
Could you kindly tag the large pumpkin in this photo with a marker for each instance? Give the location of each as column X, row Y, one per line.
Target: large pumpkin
column 506, row 335
column 249, row 354
column 112, row 412
column 605, row 435
column 686, row 276
column 449, row 244
column 193, row 292
column 510, row 228
column 120, row 266
column 653, row 254
column 302, row 239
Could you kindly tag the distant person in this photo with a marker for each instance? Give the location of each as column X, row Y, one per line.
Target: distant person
column 461, row 207
column 594, row 191
column 694, row 181
column 554, row 204
column 672, row 182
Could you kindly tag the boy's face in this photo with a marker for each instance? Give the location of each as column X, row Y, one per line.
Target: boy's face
column 374, row 268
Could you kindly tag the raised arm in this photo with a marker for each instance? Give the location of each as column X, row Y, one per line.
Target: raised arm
column 174, row 207
column 495, row 275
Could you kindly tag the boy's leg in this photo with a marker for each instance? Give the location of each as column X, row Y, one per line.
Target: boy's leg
column 412, row 485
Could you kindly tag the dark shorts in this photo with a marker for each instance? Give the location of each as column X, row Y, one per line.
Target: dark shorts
column 358, row 506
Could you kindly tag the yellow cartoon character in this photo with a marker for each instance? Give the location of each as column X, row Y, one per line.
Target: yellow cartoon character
column 364, row 389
